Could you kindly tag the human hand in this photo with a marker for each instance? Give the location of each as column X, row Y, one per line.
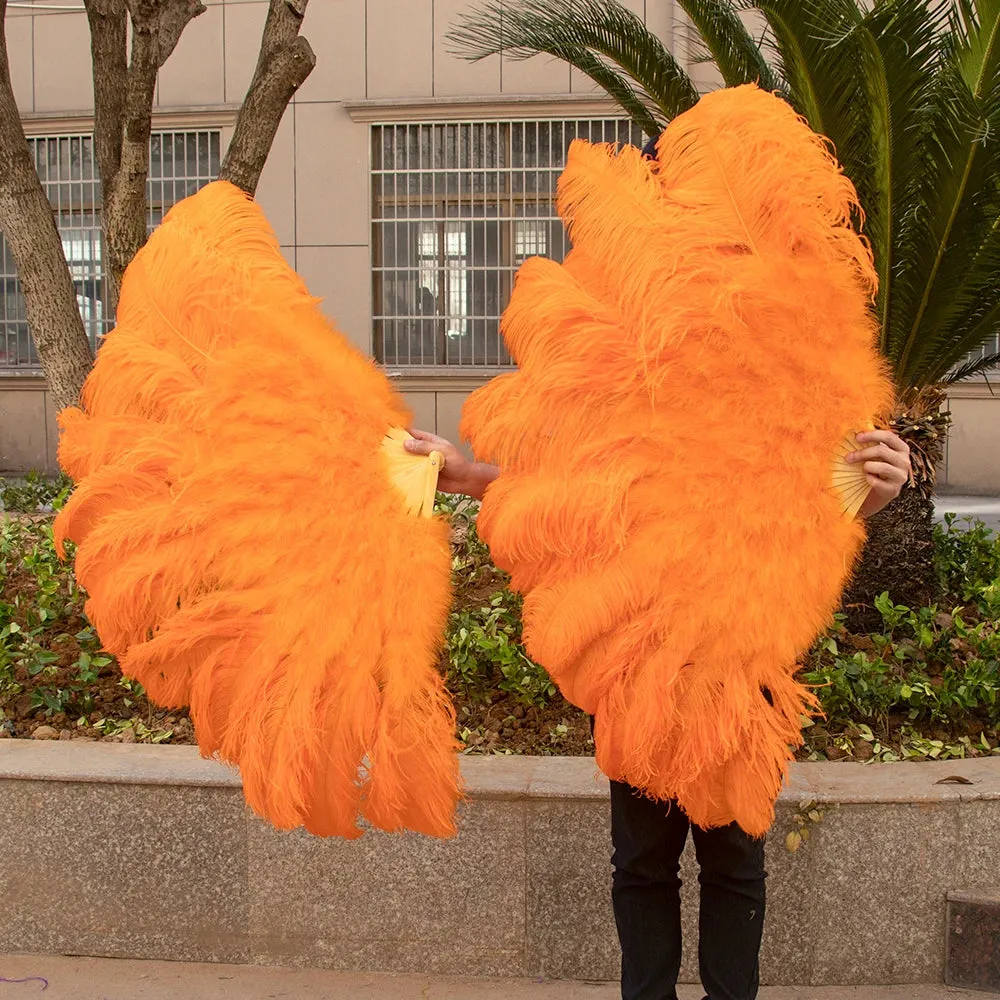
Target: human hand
column 458, row 475
column 886, row 465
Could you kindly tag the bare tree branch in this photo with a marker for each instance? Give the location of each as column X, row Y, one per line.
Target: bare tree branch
column 109, row 52
column 286, row 60
column 28, row 223
column 284, row 21
column 156, row 27
column 166, row 21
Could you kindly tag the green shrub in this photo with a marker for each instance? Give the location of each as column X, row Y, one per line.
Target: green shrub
column 34, row 493
column 45, row 638
column 967, row 559
column 927, row 666
column 485, row 651
column 471, row 564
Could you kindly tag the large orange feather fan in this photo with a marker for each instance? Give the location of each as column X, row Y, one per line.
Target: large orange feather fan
column 686, row 380
column 244, row 545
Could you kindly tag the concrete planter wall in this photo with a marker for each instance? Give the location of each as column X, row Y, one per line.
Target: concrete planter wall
column 149, row 852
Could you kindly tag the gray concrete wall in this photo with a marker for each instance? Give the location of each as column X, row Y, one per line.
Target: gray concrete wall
column 149, row 852
column 29, row 434
column 972, row 457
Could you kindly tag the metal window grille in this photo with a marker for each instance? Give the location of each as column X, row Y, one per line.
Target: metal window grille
column 180, row 163
column 457, row 207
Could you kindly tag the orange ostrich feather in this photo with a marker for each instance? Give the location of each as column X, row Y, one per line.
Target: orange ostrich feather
column 685, row 381
column 241, row 539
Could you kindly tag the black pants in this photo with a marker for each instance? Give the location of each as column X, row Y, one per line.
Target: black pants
column 648, row 840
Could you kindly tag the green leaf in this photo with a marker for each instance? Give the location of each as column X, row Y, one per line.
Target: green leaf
column 729, row 44
column 960, row 191
column 601, row 38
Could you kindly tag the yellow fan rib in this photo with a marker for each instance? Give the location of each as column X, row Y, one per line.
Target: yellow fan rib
column 415, row 476
column 848, row 480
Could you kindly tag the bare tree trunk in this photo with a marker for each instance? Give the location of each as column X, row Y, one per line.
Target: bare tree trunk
column 124, row 114
column 109, row 54
column 28, row 223
column 286, row 60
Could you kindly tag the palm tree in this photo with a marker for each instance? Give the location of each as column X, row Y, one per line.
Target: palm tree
column 908, row 91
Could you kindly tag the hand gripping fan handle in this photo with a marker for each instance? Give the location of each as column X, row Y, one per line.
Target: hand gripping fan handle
column 414, row 476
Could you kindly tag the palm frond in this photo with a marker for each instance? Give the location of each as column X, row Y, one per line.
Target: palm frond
column 977, row 366
column 899, row 45
column 961, row 194
column 817, row 68
column 572, row 30
column 729, row 45
column 967, row 314
column 943, row 350
column 618, row 87
column 974, row 29
column 820, row 51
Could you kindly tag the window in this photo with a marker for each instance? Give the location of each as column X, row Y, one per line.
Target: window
column 180, row 163
column 457, row 207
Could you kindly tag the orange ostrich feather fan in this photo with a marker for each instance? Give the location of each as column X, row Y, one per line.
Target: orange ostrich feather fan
column 244, row 532
column 668, row 503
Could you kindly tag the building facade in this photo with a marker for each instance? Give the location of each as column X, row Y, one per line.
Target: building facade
column 405, row 185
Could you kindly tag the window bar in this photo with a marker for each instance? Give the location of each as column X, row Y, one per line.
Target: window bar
column 494, row 209
column 390, row 305
column 465, row 210
column 173, row 171
column 527, row 212
column 400, row 138
column 70, row 176
column 406, row 174
column 488, row 204
column 464, row 214
column 497, row 214
column 400, row 176
column 436, row 351
column 4, row 310
column 516, row 131
column 443, row 298
column 376, row 273
column 399, row 135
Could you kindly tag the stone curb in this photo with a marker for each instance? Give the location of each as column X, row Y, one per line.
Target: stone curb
column 502, row 777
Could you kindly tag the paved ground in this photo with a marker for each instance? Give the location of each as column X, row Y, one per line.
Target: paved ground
column 985, row 509
column 109, row 979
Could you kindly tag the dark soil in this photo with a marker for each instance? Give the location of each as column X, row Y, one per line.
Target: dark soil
column 507, row 725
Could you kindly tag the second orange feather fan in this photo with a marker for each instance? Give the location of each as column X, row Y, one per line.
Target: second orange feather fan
column 673, row 500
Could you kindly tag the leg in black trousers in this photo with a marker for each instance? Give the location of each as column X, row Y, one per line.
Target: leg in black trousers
column 648, row 840
column 731, row 915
